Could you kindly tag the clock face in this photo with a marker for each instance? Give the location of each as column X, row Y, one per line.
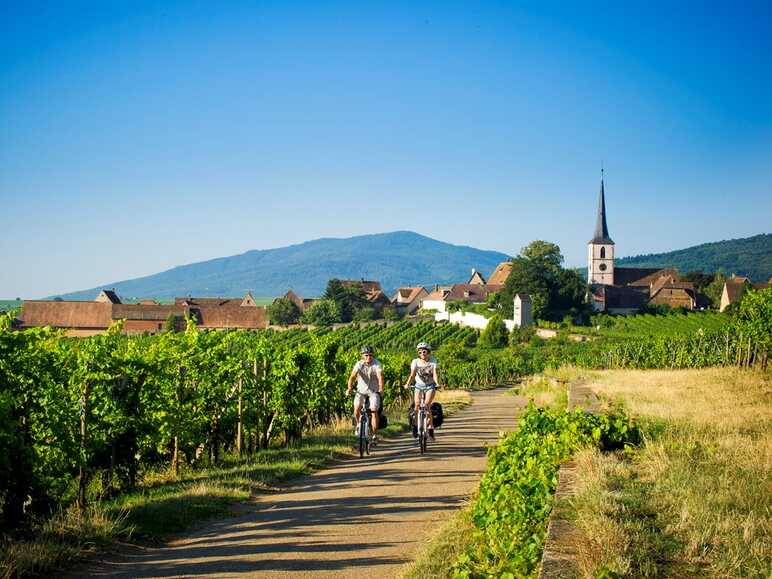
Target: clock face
column 602, row 267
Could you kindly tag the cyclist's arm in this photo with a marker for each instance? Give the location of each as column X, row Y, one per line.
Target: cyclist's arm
column 380, row 381
column 351, row 379
column 437, row 377
column 411, row 377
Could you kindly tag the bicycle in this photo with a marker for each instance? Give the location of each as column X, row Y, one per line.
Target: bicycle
column 364, row 428
column 422, row 424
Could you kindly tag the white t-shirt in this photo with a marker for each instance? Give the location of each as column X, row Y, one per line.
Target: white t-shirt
column 424, row 371
column 367, row 376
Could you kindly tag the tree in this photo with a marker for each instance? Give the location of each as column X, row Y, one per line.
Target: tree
column 325, row 312
column 284, row 312
column 495, row 333
column 348, row 299
column 530, row 277
column 538, row 272
column 544, row 252
column 753, row 318
column 715, row 288
column 569, row 290
column 364, row 314
column 170, row 324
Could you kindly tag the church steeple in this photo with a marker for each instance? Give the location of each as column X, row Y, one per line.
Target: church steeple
column 600, row 249
column 601, row 229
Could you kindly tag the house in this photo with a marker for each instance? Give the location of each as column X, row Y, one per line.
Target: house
column 372, row 290
column 302, row 303
column 735, row 287
column 477, row 278
column 246, row 301
column 440, row 297
column 501, row 273
column 83, row 318
column 626, row 290
column 408, row 299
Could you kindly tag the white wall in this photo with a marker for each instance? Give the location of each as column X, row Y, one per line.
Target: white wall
column 469, row 320
column 438, row 305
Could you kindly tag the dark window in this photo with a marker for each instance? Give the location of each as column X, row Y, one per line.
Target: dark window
column 603, row 253
column 602, row 266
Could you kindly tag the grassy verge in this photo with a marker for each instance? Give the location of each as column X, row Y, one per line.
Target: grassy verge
column 693, row 500
column 452, row 539
column 162, row 506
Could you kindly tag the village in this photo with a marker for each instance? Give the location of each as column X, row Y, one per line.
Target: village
column 611, row 289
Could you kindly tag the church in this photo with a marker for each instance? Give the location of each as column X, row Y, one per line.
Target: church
column 627, row 290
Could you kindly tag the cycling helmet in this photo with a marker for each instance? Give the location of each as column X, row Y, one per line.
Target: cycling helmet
column 366, row 350
column 424, row 346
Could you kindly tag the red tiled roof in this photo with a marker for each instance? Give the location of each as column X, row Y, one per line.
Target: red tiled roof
column 639, row 276
column 407, row 295
column 501, row 273
column 63, row 314
column 221, row 317
column 147, row 312
column 367, row 285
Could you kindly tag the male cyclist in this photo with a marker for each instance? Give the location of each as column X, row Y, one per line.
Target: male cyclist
column 369, row 376
column 424, row 370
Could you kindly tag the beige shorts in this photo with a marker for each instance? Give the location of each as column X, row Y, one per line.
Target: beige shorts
column 374, row 397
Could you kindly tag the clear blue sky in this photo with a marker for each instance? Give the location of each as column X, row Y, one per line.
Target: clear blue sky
column 138, row 136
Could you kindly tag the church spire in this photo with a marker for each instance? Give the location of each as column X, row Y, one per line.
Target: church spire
column 601, row 229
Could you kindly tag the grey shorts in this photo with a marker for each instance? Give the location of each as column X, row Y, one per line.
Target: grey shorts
column 375, row 399
column 426, row 387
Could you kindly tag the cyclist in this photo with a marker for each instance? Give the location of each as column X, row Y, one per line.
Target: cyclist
column 424, row 370
column 369, row 376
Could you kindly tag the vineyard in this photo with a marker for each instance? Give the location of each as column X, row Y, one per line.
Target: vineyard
column 80, row 418
column 394, row 337
column 663, row 325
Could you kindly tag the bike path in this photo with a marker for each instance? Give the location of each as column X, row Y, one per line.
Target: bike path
column 361, row 517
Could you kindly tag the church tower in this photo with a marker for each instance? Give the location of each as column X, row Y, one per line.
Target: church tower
column 600, row 263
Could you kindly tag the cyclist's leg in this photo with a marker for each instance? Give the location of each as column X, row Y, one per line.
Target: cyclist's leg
column 374, row 402
column 357, row 407
column 428, row 403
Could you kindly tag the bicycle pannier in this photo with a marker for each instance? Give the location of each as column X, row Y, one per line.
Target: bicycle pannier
column 437, row 416
column 383, row 422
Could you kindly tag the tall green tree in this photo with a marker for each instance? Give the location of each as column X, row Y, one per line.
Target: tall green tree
column 538, row 272
column 325, row 312
column 284, row 312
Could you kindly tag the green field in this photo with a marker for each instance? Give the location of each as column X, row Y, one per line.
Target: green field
column 7, row 305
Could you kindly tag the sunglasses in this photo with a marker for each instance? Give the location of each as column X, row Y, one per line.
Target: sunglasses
column 423, row 351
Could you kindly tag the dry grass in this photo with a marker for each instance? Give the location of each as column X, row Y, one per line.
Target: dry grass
column 694, row 501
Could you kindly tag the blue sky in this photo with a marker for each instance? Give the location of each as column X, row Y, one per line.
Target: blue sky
column 138, row 136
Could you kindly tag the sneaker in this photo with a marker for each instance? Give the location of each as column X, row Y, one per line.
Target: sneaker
column 431, row 433
column 373, row 441
column 356, row 430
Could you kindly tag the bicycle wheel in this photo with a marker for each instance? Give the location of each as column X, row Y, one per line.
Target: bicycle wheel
column 362, row 438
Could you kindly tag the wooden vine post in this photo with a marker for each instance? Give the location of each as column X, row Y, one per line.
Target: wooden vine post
column 238, row 424
column 82, row 472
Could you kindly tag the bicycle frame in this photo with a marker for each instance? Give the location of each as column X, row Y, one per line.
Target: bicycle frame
column 422, row 423
column 364, row 428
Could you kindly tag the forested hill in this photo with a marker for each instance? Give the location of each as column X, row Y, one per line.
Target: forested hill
column 395, row 259
column 750, row 256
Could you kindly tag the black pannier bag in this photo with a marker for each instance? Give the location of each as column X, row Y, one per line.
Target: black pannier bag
column 383, row 422
column 437, row 416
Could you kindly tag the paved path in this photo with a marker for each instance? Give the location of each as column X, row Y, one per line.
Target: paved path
column 361, row 517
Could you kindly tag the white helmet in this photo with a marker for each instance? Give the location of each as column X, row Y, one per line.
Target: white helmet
column 424, row 346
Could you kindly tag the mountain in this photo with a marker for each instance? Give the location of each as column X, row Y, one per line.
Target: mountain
column 395, row 259
column 749, row 256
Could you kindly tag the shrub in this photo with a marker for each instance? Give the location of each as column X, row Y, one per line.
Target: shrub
column 495, row 333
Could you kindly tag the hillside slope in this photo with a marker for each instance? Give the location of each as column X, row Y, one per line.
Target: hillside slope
column 749, row 256
column 396, row 259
